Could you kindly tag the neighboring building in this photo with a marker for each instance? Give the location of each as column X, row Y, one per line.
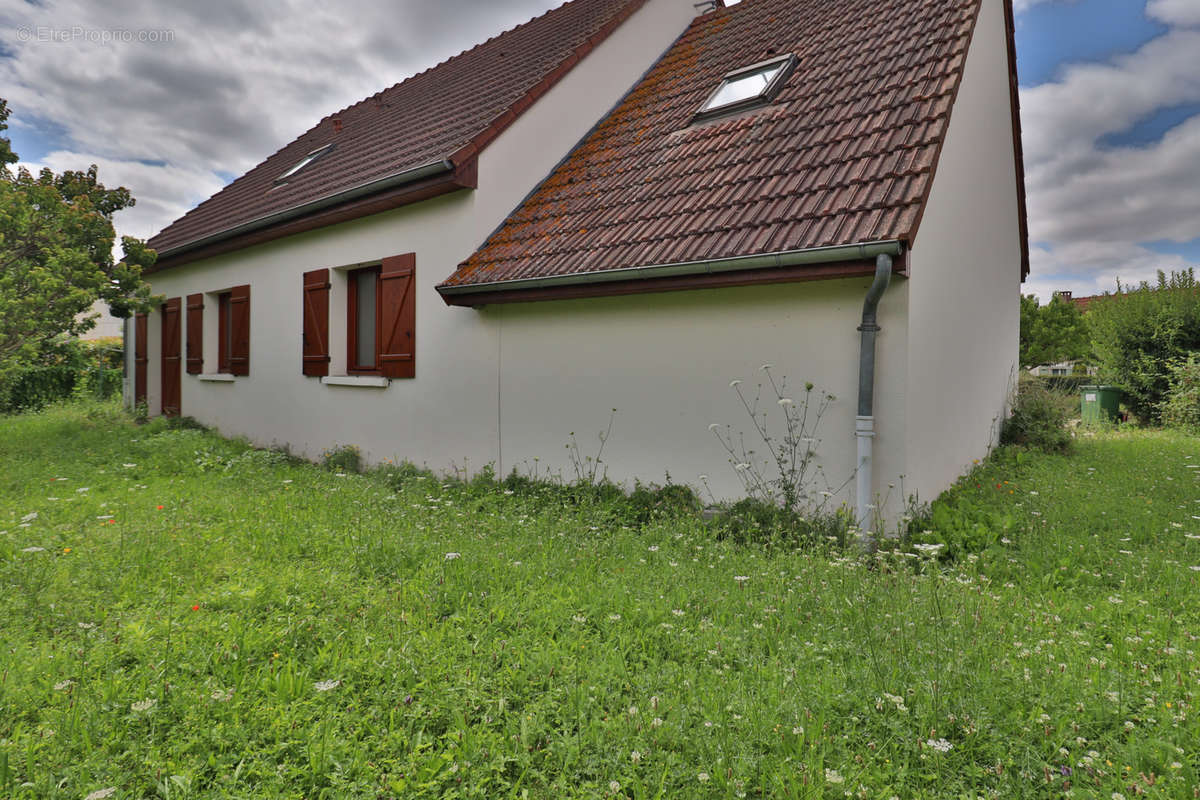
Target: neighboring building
column 621, row 204
column 107, row 326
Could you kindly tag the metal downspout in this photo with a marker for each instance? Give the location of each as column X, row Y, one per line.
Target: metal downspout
column 864, row 423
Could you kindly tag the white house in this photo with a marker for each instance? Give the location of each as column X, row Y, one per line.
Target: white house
column 625, row 204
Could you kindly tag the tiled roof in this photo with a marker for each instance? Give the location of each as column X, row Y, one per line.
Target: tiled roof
column 844, row 154
column 448, row 112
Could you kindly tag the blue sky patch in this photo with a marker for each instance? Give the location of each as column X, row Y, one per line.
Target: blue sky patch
column 32, row 138
column 1052, row 34
column 1151, row 128
column 1189, row 250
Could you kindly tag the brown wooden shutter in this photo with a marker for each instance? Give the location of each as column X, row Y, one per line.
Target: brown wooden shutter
column 172, row 319
column 239, row 313
column 195, row 334
column 141, row 357
column 315, row 359
column 397, row 316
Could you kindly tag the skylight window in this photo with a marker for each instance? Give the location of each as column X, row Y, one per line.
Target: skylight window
column 304, row 162
column 748, row 86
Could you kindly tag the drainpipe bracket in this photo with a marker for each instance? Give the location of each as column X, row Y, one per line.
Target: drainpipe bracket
column 864, row 426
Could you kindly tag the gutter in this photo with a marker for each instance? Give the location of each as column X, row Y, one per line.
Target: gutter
column 812, row 255
column 363, row 189
column 864, row 422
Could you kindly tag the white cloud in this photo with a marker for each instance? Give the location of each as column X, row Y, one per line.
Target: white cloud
column 1175, row 12
column 216, row 86
column 1092, row 204
column 1088, row 268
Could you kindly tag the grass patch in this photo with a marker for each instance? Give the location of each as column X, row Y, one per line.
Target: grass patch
column 186, row 617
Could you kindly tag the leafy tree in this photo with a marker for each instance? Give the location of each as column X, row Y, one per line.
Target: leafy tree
column 56, row 242
column 1139, row 333
column 1052, row 333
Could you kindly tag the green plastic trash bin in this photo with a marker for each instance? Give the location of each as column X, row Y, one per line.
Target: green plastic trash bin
column 1100, row 403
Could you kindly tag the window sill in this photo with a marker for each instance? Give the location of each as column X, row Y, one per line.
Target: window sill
column 366, row 381
column 216, row 377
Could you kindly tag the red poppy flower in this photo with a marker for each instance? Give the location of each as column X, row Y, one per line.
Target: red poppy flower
column 195, row 608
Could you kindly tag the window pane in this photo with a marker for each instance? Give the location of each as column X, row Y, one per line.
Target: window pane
column 743, row 87
column 364, row 333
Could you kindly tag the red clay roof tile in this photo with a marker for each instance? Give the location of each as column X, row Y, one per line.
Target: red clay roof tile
column 449, row 112
column 843, row 154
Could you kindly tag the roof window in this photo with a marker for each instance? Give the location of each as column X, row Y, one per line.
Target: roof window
column 748, row 86
column 302, row 163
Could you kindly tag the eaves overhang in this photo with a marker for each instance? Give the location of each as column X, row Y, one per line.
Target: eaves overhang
column 400, row 188
column 814, row 263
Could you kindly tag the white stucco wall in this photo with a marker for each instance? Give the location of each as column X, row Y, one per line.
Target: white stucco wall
column 965, row 285
column 447, row 414
column 665, row 361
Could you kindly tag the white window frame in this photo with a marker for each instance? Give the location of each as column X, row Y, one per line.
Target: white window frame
column 786, row 64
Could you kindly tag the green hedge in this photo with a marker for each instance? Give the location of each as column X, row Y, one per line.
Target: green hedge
column 1068, row 384
column 63, row 369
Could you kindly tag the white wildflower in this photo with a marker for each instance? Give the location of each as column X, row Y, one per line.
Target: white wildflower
column 580, row 618
column 452, row 556
column 766, row 367
column 222, row 696
column 734, row 383
column 82, row 489
column 897, row 701
column 941, row 745
column 713, row 427
column 633, row 711
column 635, row 757
column 679, row 612
column 653, row 548
column 33, row 549
column 143, row 705
column 702, row 777
column 929, row 549
column 325, row 686
column 741, row 466
column 656, row 722
column 741, row 578
column 62, row 686
column 614, row 787
column 614, row 617
column 785, row 401
column 1116, row 601
column 833, row 776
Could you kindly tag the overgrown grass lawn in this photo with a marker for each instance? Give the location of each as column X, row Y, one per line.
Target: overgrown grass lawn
column 183, row 617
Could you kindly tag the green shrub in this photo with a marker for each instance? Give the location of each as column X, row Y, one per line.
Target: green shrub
column 62, row 369
column 1067, row 384
column 1138, row 334
column 753, row 521
column 346, row 458
column 1181, row 408
column 1039, row 418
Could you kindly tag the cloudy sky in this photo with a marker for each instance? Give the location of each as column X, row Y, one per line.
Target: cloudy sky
column 175, row 98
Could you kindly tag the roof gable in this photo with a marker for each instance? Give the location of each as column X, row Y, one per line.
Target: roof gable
column 438, row 118
column 843, row 154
